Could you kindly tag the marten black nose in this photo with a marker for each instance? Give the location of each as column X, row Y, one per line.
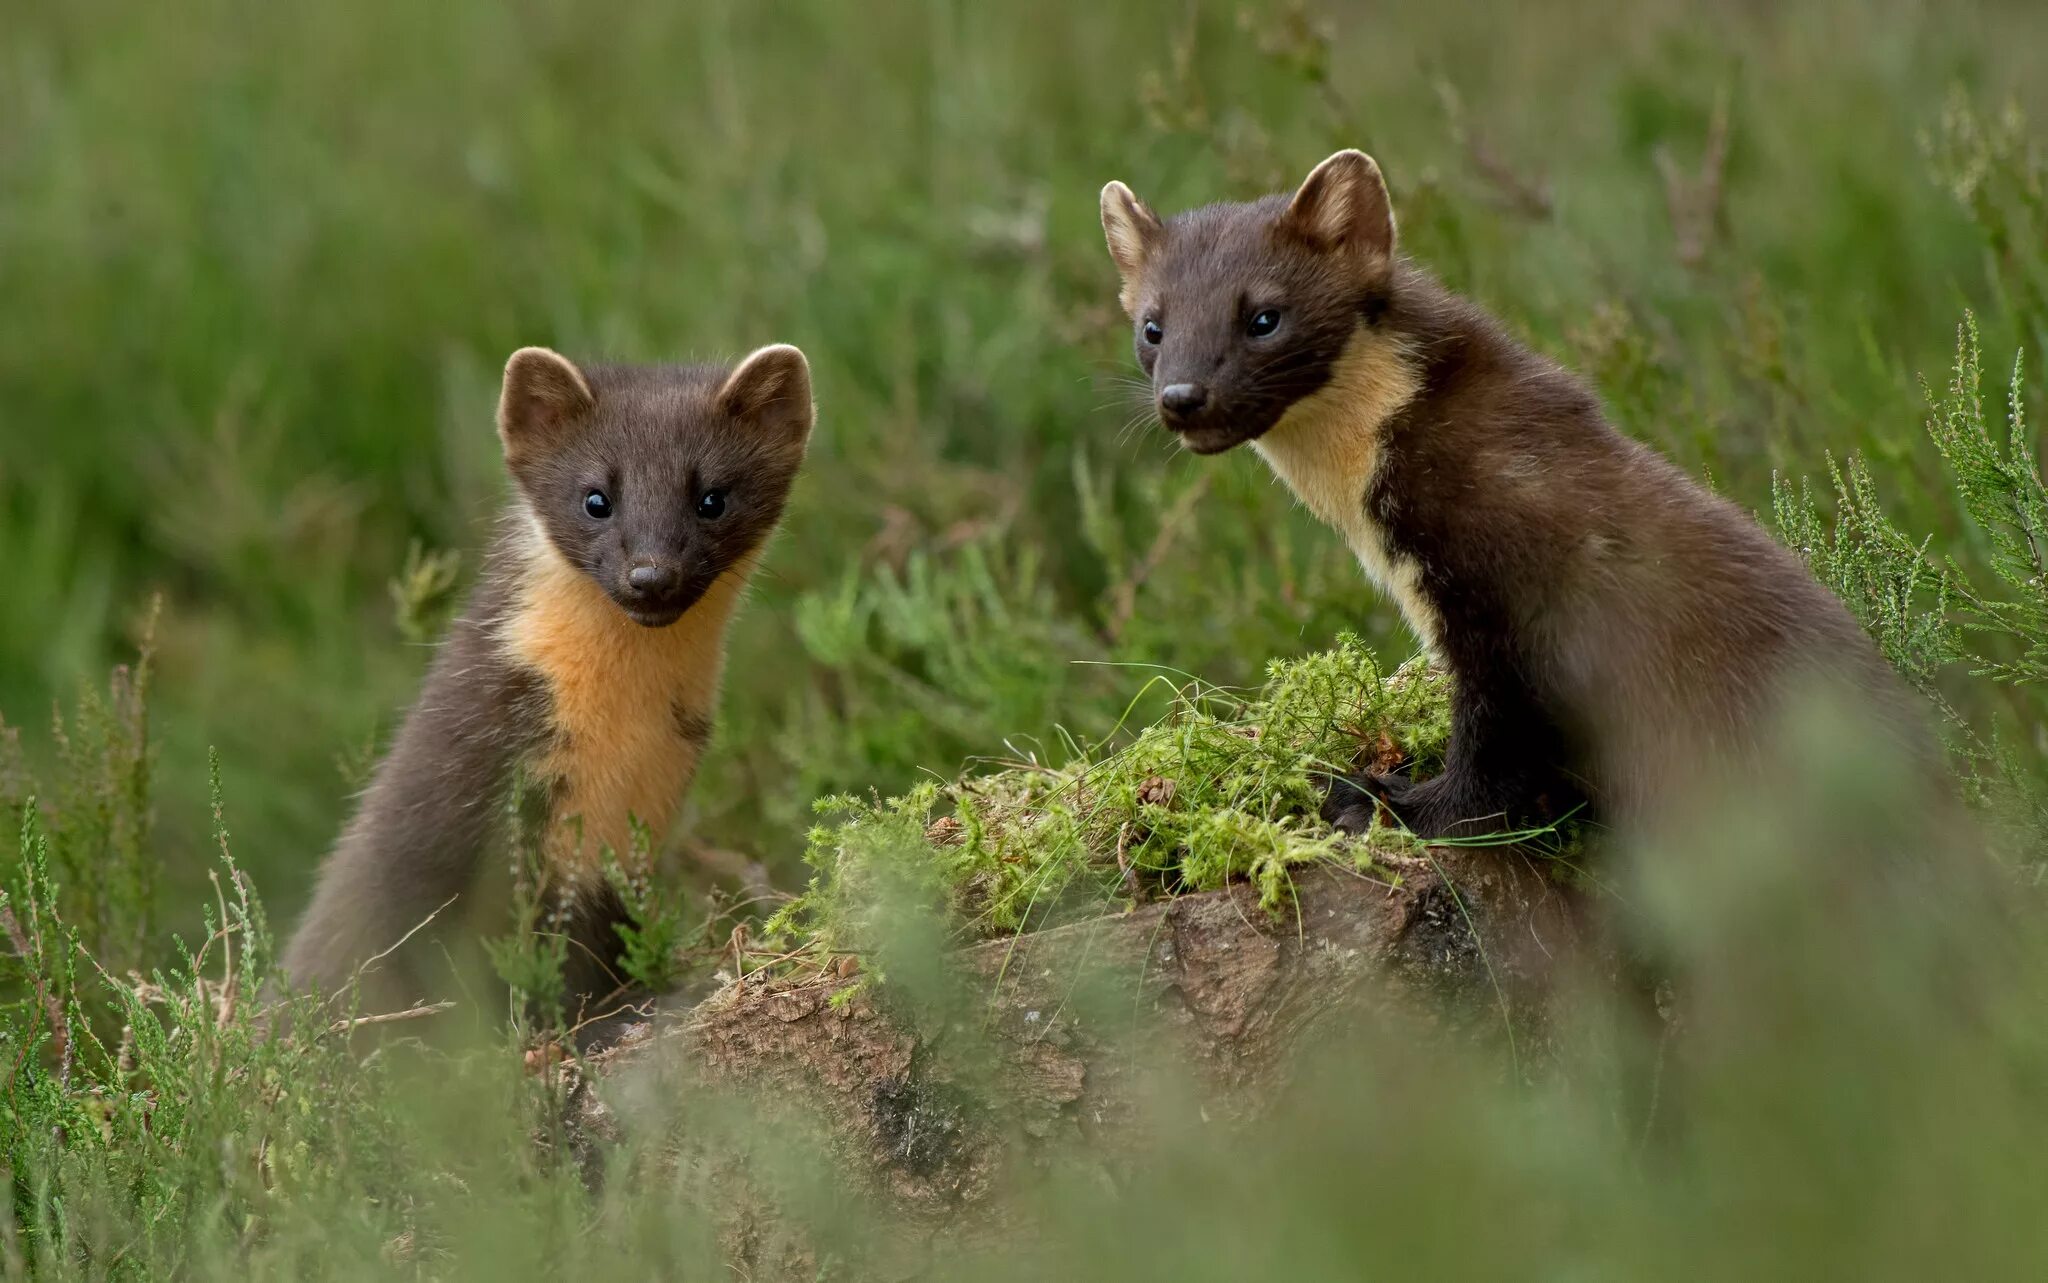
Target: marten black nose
column 1183, row 398
column 647, row 577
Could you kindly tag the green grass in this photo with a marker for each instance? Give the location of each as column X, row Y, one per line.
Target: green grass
column 262, row 267
column 1854, row 1088
column 261, row 264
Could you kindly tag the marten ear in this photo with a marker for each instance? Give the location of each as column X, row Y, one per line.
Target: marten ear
column 1133, row 232
column 545, row 396
column 1343, row 207
column 771, row 390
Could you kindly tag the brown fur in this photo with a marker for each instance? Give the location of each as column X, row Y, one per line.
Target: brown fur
column 597, row 688
column 1612, row 628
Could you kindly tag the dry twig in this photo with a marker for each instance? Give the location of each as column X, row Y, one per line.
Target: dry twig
column 388, row 1017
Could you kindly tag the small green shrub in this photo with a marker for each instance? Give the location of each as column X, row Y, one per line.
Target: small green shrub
column 1928, row 614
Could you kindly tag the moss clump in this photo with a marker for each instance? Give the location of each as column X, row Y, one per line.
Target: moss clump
column 1222, row 788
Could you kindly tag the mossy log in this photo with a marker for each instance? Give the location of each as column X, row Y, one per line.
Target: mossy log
column 1459, row 941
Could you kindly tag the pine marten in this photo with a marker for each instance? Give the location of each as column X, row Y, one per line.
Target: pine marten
column 1610, row 626
column 586, row 663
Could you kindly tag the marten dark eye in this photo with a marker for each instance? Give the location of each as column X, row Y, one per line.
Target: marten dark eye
column 1153, row 332
column 711, row 505
column 1264, row 322
column 597, row 505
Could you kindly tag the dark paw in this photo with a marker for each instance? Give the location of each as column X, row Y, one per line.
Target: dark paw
column 1438, row 807
column 1355, row 801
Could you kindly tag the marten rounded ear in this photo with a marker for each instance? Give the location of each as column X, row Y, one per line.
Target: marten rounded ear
column 1343, row 205
column 1132, row 230
column 771, row 389
column 544, row 396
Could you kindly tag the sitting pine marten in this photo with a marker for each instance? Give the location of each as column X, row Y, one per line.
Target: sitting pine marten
column 586, row 664
column 1611, row 628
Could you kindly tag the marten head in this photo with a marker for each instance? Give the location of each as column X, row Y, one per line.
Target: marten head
column 654, row 480
column 1241, row 310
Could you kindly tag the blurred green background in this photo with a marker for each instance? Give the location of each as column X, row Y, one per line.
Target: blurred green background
column 261, row 263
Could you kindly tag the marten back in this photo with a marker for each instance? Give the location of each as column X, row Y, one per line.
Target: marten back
column 1611, row 627
column 587, row 661
column 1658, row 624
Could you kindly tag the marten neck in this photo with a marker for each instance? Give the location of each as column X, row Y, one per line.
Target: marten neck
column 1329, row 446
column 630, row 708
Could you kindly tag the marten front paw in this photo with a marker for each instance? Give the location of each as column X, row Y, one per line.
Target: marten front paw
column 1355, row 801
column 1431, row 808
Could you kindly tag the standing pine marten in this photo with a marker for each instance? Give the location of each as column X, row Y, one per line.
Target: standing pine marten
column 587, row 662
column 1610, row 627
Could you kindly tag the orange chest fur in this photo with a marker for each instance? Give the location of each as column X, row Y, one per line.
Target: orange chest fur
column 1328, row 448
column 623, row 702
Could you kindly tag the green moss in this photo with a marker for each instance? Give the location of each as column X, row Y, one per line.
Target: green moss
column 1222, row 788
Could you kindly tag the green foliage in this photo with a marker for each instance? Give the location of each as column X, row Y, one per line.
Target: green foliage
column 1883, row 577
column 100, row 817
column 1926, row 615
column 179, row 1125
column 154, row 1118
column 1997, row 170
column 281, row 299
column 930, row 663
column 423, row 595
column 261, row 273
column 185, row 1121
column 1221, row 788
column 533, row 956
column 656, row 926
column 2000, row 486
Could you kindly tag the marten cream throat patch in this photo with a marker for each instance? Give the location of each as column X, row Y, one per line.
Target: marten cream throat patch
column 1327, row 448
column 629, row 706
